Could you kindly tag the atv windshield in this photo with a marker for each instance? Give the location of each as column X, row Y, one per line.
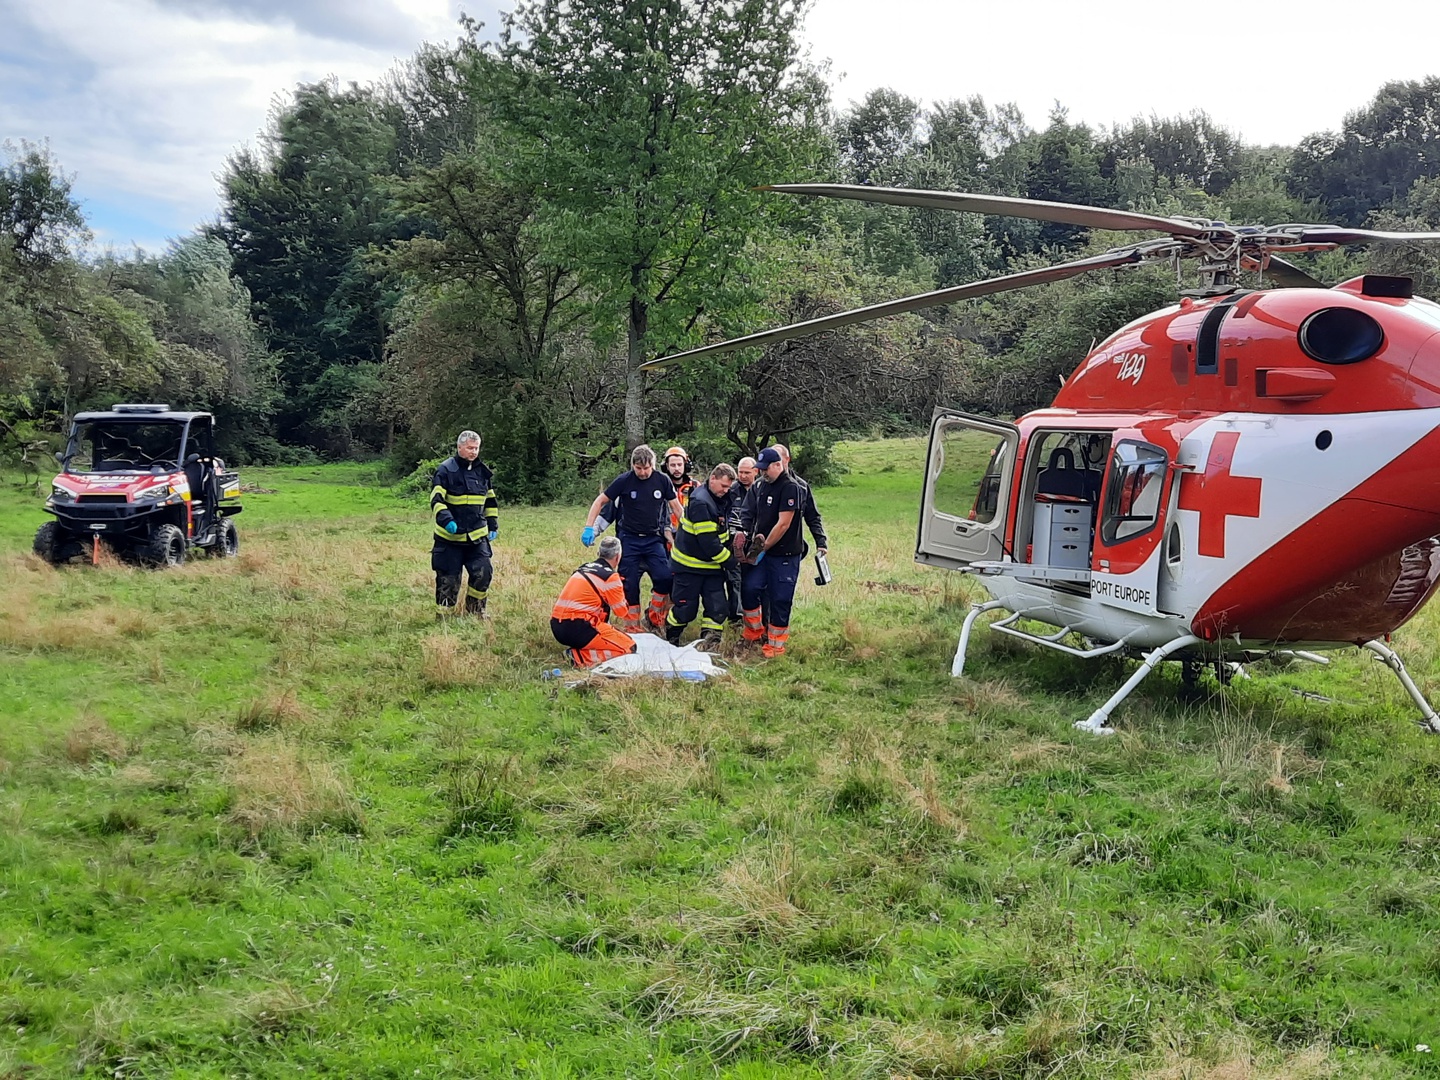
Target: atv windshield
column 124, row 446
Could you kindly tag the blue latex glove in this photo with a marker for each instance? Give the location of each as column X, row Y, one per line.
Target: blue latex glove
column 451, row 528
column 587, row 535
column 759, row 557
column 493, row 533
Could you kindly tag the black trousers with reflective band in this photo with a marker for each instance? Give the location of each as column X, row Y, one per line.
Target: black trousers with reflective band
column 732, row 587
column 450, row 558
column 691, row 590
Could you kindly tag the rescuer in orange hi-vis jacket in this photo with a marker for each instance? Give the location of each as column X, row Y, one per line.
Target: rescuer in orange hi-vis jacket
column 676, row 464
column 581, row 617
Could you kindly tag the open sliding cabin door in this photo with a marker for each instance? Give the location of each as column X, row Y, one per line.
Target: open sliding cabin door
column 1134, row 505
column 965, row 503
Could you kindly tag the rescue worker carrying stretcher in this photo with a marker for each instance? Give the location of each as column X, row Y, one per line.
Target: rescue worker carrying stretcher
column 581, row 616
column 467, row 519
column 641, row 501
column 771, row 537
column 699, row 559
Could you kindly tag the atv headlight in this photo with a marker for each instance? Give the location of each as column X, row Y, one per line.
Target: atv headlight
column 160, row 491
column 61, row 495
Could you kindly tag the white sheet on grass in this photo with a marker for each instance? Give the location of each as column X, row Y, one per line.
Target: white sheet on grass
column 656, row 656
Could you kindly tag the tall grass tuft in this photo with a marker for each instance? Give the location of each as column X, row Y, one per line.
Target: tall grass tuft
column 272, row 711
column 479, row 801
column 276, row 787
column 449, row 660
column 92, row 740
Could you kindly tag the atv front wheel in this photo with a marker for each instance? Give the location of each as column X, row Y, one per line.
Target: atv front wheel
column 227, row 544
column 44, row 545
column 166, row 547
column 55, row 545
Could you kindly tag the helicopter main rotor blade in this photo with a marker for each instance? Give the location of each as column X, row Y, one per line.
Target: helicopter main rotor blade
column 1288, row 274
column 1329, row 234
column 1091, row 217
column 1120, row 257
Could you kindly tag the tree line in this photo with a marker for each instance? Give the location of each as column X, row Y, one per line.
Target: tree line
column 499, row 233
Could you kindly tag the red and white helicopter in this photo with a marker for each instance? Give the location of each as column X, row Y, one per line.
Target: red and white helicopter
column 1243, row 474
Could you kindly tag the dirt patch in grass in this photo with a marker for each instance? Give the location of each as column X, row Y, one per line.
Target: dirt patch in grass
column 1311, row 1063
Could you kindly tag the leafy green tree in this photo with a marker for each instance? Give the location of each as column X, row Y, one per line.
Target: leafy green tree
column 1376, row 157
column 298, row 217
column 432, row 102
column 1186, row 151
column 39, row 221
column 648, row 123
column 852, row 380
column 1420, row 262
column 878, row 136
column 1064, row 167
column 211, row 353
column 476, row 345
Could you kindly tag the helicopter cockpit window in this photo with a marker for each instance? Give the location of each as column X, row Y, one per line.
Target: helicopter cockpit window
column 967, row 485
column 1132, row 491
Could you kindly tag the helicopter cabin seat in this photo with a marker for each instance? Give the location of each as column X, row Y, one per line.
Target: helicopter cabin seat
column 1060, row 478
column 1065, row 498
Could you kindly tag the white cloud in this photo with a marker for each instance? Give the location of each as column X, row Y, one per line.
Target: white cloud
column 144, row 102
column 1272, row 72
column 145, row 99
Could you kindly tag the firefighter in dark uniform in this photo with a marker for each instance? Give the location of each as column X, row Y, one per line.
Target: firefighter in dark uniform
column 641, row 502
column 699, row 559
column 467, row 519
column 808, row 510
column 744, row 476
column 771, row 535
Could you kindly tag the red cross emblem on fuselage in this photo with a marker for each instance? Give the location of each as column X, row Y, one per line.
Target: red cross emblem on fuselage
column 1217, row 494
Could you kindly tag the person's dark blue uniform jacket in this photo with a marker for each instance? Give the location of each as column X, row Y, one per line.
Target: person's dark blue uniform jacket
column 463, row 494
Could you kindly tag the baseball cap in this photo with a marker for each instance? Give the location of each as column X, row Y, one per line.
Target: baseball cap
column 767, row 457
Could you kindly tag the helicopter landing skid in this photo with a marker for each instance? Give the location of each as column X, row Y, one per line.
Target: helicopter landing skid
column 1007, row 626
column 1388, row 657
column 1096, row 723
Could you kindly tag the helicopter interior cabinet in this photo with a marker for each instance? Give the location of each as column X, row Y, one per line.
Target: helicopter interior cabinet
column 1061, row 534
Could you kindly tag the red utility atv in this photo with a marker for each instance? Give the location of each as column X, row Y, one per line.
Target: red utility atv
column 145, row 482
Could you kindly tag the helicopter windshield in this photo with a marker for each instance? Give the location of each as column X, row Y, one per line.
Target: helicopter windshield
column 124, row 446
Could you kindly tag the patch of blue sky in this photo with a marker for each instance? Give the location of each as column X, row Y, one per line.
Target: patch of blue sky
column 132, row 221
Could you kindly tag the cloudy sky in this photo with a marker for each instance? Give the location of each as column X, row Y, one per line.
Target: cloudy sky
column 143, row 99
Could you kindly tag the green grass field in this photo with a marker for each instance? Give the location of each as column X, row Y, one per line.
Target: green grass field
column 265, row 817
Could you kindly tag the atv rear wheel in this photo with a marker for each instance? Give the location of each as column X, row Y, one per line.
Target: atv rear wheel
column 166, row 547
column 227, row 543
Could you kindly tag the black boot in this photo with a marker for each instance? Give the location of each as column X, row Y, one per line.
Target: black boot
column 447, row 595
column 672, row 633
column 475, row 606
